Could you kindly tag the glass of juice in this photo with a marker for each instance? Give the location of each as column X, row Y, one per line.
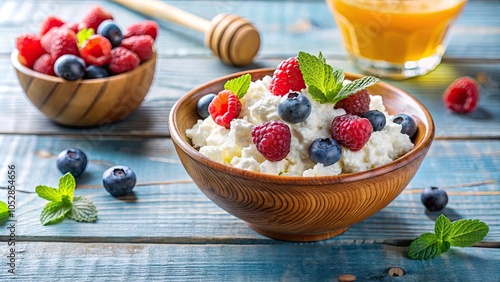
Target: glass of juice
column 396, row 39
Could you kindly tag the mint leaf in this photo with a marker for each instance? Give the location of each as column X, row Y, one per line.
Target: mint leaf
column 54, row 212
column 466, row 232
column 355, row 86
column 442, row 227
column 83, row 35
column 426, row 246
column 67, row 185
column 83, row 210
column 239, row 86
column 48, row 193
column 4, row 211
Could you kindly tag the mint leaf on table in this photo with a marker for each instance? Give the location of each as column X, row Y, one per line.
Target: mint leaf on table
column 460, row 233
column 325, row 84
column 4, row 211
column 239, row 86
column 83, row 210
column 62, row 203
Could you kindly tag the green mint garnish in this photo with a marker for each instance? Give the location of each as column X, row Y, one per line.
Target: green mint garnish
column 4, row 211
column 62, row 203
column 325, row 84
column 239, row 86
column 83, row 35
column 460, row 233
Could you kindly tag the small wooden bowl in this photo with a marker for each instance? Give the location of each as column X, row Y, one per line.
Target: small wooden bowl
column 300, row 208
column 86, row 102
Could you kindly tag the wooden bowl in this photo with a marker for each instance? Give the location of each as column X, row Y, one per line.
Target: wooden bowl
column 296, row 208
column 86, row 102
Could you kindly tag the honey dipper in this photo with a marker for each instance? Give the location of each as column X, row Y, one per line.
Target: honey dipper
column 231, row 38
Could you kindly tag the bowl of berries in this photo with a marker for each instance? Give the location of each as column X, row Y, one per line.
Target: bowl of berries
column 303, row 151
column 86, row 73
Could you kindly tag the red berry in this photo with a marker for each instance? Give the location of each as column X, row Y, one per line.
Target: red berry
column 272, row 139
column 44, row 64
column 355, row 104
column 46, row 40
column 224, row 108
column 351, row 131
column 287, row 77
column 148, row 27
column 49, row 23
column 72, row 26
column 30, row 48
column 142, row 45
column 123, row 60
column 96, row 50
column 63, row 41
column 462, row 95
column 94, row 17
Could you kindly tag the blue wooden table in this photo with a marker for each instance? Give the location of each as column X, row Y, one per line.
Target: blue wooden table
column 170, row 231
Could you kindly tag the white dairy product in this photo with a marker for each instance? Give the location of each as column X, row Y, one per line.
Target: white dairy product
column 234, row 146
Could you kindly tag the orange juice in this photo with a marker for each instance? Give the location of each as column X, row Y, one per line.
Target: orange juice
column 395, row 31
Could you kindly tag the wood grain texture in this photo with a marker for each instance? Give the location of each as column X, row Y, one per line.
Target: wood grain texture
column 298, row 262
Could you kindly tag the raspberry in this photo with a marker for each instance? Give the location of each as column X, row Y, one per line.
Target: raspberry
column 355, row 104
column 224, row 108
column 72, row 26
column 462, row 95
column 49, row 23
column 147, row 27
column 94, row 17
column 44, row 64
column 63, row 42
column 122, row 60
column 351, row 131
column 272, row 139
column 287, row 77
column 46, row 39
column 142, row 45
column 30, row 48
column 96, row 50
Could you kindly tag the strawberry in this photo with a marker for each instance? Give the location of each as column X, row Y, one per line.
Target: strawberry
column 63, row 41
column 287, row 77
column 351, row 131
column 462, row 95
column 272, row 139
column 49, row 23
column 355, row 104
column 44, row 64
column 94, row 17
column 224, row 108
column 30, row 48
column 142, row 45
column 147, row 27
column 72, row 26
column 122, row 60
column 96, row 50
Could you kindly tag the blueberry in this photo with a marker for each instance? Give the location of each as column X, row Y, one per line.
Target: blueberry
column 434, row 199
column 69, row 67
column 294, row 107
column 202, row 105
column 119, row 180
column 409, row 126
column 95, row 72
column 325, row 150
column 73, row 161
column 376, row 118
column 111, row 31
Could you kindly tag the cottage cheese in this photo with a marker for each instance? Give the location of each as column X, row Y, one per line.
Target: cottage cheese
column 234, row 146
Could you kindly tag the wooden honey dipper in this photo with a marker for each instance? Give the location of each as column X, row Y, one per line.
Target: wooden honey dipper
column 231, row 38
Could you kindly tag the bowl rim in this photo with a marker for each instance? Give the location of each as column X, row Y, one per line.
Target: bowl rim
column 399, row 163
column 55, row 79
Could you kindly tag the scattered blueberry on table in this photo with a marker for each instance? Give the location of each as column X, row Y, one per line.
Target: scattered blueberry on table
column 119, row 180
column 73, row 161
column 434, row 199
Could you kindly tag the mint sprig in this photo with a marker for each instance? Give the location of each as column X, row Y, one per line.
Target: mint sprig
column 83, row 35
column 4, row 211
column 239, row 86
column 325, row 84
column 460, row 233
column 62, row 203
